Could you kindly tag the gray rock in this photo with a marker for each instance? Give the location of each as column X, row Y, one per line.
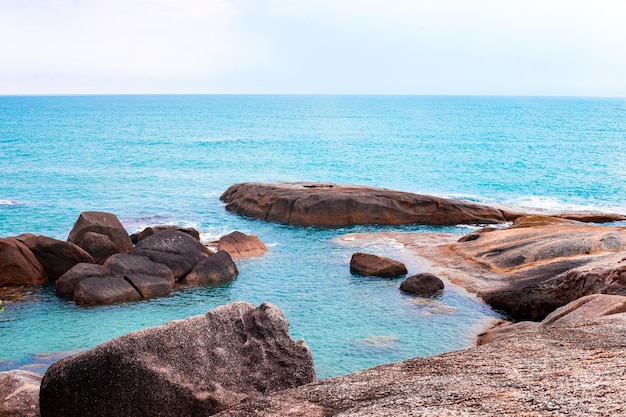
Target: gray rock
column 192, row 367
column 18, row 265
column 425, row 284
column 374, row 265
column 104, row 290
column 149, row 231
column 104, row 223
column 128, row 265
column 217, row 268
column 56, row 256
column 19, row 394
column 67, row 283
column 98, row 245
column 177, row 250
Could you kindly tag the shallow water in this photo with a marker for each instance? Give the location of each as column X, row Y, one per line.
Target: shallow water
column 166, row 159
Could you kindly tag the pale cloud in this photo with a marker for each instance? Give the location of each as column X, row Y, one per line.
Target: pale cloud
column 533, row 47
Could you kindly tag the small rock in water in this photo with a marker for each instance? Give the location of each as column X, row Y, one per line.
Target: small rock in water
column 425, row 284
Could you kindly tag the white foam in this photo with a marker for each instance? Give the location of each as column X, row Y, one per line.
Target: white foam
column 8, row 203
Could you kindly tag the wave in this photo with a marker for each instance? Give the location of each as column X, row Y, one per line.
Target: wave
column 551, row 204
column 8, row 203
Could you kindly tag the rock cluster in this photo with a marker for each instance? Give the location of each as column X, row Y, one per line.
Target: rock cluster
column 98, row 264
column 193, row 367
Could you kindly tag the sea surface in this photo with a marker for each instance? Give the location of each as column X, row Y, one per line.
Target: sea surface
column 167, row 159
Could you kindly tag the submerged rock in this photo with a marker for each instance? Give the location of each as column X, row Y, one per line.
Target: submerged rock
column 240, row 245
column 425, row 284
column 325, row 204
column 374, row 265
column 18, row 265
column 192, row 367
column 19, row 394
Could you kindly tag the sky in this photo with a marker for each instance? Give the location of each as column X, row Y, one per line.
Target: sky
column 423, row 47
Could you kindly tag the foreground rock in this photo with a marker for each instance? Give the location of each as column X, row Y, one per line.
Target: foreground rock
column 102, row 223
column 312, row 204
column 373, row 265
column 18, row 265
column 19, row 394
column 559, row 370
column 192, row 367
column 424, row 284
column 240, row 245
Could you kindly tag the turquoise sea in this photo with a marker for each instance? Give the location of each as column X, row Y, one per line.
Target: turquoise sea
column 166, row 159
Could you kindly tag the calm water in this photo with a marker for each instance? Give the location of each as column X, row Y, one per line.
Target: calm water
column 166, row 159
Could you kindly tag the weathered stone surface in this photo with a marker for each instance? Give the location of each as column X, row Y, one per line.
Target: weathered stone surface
column 18, row 265
column 240, row 245
column 177, row 250
column 310, row 204
column 128, row 265
column 557, row 370
column 374, row 265
column 192, row 367
column 576, row 313
column 19, row 394
column 99, row 246
column 104, row 290
column 66, row 284
column 217, row 268
column 149, row 231
column 149, row 286
column 424, row 284
column 56, row 256
column 104, row 223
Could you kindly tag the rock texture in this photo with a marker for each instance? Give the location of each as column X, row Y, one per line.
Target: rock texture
column 103, row 223
column 56, row 256
column 217, row 268
column 18, row 265
column 192, row 367
column 99, row 246
column 373, row 265
column 151, row 230
column 312, row 204
column 19, row 394
column 424, row 284
column 240, row 245
column 105, row 290
column 66, row 284
column 573, row 370
column 127, row 265
column 177, row 250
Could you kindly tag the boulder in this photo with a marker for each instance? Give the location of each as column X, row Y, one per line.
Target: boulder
column 326, row 204
column 56, row 256
column 67, row 283
column 217, row 268
column 99, row 246
column 18, row 265
column 177, row 250
column 128, row 265
column 149, row 231
column 240, row 245
column 149, row 286
column 425, row 284
column 103, row 223
column 192, row 367
column 580, row 311
column 373, row 265
column 19, row 394
column 104, row 290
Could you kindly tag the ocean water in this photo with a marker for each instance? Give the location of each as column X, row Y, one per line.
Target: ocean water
column 166, row 159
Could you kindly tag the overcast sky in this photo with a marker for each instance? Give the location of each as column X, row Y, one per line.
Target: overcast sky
column 486, row 47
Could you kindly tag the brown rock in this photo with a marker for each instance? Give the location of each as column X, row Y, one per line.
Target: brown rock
column 149, row 286
column 192, row 367
column 373, row 265
column 217, row 268
column 104, row 223
column 424, row 284
column 309, row 204
column 56, row 256
column 240, row 245
column 104, row 290
column 149, row 231
column 67, row 283
column 19, row 394
column 557, row 370
column 99, row 246
column 18, row 265
column 127, row 265
column 178, row 251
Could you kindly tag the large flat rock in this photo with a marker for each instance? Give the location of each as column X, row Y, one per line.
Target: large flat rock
column 325, row 204
column 558, row 370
